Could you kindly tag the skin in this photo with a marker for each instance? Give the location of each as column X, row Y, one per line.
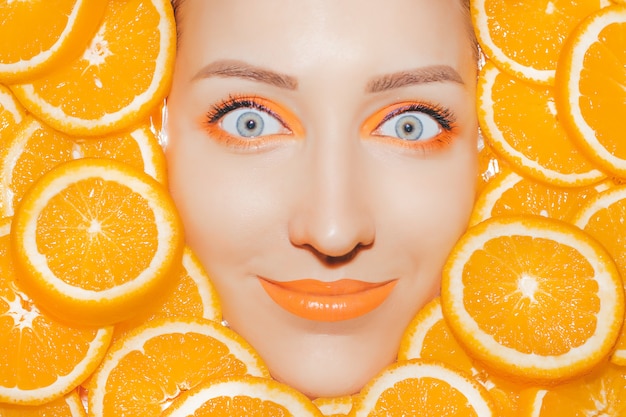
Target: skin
column 329, row 197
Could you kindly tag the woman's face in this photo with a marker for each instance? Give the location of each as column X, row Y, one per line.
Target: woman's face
column 322, row 154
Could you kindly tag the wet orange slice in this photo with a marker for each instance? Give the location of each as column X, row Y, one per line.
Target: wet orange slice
column 41, row 359
column 535, row 299
column 96, row 241
column 63, row 27
column 591, row 88
column 424, row 388
column 239, row 396
column 154, row 364
column 108, row 88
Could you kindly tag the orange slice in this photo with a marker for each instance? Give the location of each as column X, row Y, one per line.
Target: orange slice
column 535, row 299
column 62, row 28
column 334, row 407
column 152, row 365
column 36, row 148
column 67, row 406
column 511, row 194
column 603, row 218
column 418, row 387
column 591, row 92
column 11, row 113
column 242, row 396
column 108, row 88
column 601, row 393
column 429, row 337
column 96, row 241
column 525, row 38
column 520, row 123
column 194, row 296
column 40, row 359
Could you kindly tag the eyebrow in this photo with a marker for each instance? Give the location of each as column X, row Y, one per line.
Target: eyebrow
column 239, row 69
column 423, row 75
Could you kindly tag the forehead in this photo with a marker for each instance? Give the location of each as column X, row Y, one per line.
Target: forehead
column 299, row 34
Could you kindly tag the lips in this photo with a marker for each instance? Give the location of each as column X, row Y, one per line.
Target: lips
column 328, row 301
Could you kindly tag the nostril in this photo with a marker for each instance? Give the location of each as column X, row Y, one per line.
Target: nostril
column 332, row 260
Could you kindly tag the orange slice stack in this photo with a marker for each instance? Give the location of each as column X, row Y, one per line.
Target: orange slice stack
column 424, row 388
column 42, row 359
column 96, row 241
column 238, row 396
column 534, row 299
column 146, row 370
column 63, row 28
column 87, row 96
column 591, row 97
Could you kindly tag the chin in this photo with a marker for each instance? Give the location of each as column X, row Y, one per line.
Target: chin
column 334, row 372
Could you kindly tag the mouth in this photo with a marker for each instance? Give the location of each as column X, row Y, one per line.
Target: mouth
column 328, row 301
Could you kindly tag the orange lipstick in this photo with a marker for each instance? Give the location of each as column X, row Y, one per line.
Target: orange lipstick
column 328, row 301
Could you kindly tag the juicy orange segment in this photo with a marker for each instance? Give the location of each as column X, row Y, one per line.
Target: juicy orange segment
column 120, row 233
column 525, row 38
column 238, row 396
column 591, row 92
column 62, row 28
column 418, row 387
column 193, row 296
column 520, row 123
column 67, row 406
column 555, row 300
column 86, row 97
column 602, row 217
column 32, row 370
column 512, row 194
column 146, row 370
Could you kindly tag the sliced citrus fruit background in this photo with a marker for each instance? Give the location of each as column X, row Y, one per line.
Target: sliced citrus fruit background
column 67, row 406
column 239, row 396
column 62, row 28
column 40, row 359
column 520, row 123
column 193, row 296
column 603, row 218
column 152, row 365
column 512, row 194
column 35, row 148
column 424, row 388
column 601, row 393
column 87, row 96
column 96, row 241
column 591, row 88
column 525, row 38
column 429, row 337
column 535, row 299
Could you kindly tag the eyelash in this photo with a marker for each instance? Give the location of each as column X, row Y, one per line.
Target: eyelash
column 224, row 107
column 219, row 110
column 443, row 116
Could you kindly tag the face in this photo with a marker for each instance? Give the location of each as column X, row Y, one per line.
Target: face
column 323, row 157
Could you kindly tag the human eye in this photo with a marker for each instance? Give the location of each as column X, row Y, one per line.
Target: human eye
column 249, row 122
column 414, row 125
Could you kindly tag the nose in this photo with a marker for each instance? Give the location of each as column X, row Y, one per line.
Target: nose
column 333, row 218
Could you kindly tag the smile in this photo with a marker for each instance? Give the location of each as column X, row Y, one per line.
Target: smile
column 328, row 301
